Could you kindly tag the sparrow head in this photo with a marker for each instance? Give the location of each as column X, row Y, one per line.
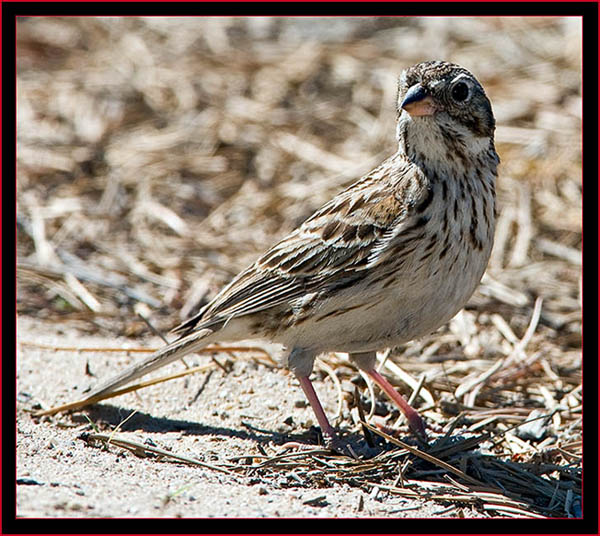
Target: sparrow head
column 447, row 94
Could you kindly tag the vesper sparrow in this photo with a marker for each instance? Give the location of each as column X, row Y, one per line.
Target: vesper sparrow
column 389, row 259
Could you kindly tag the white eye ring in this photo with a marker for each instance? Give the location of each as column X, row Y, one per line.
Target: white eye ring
column 460, row 89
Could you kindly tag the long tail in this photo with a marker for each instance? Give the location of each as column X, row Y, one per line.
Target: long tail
column 176, row 350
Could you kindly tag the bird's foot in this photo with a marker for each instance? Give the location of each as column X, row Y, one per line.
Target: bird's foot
column 417, row 431
column 417, row 426
column 331, row 442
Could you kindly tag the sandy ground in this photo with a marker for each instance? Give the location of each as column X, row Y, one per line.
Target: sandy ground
column 59, row 474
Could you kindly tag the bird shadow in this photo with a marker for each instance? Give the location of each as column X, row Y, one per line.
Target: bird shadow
column 129, row 420
column 523, row 482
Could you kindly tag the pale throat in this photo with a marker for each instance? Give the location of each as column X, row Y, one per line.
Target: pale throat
column 426, row 143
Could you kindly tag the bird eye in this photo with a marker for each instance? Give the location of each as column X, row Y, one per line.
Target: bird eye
column 460, row 92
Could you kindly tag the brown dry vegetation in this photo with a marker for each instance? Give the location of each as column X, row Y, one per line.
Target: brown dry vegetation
column 158, row 157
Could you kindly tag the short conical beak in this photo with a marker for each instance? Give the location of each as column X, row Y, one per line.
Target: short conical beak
column 417, row 102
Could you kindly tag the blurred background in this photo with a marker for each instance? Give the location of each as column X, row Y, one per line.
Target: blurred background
column 157, row 157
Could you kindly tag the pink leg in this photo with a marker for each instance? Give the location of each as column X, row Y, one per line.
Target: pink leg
column 326, row 429
column 415, row 422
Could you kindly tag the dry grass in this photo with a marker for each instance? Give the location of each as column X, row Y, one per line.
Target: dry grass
column 158, row 157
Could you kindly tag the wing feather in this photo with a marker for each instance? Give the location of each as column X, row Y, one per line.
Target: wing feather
column 329, row 251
